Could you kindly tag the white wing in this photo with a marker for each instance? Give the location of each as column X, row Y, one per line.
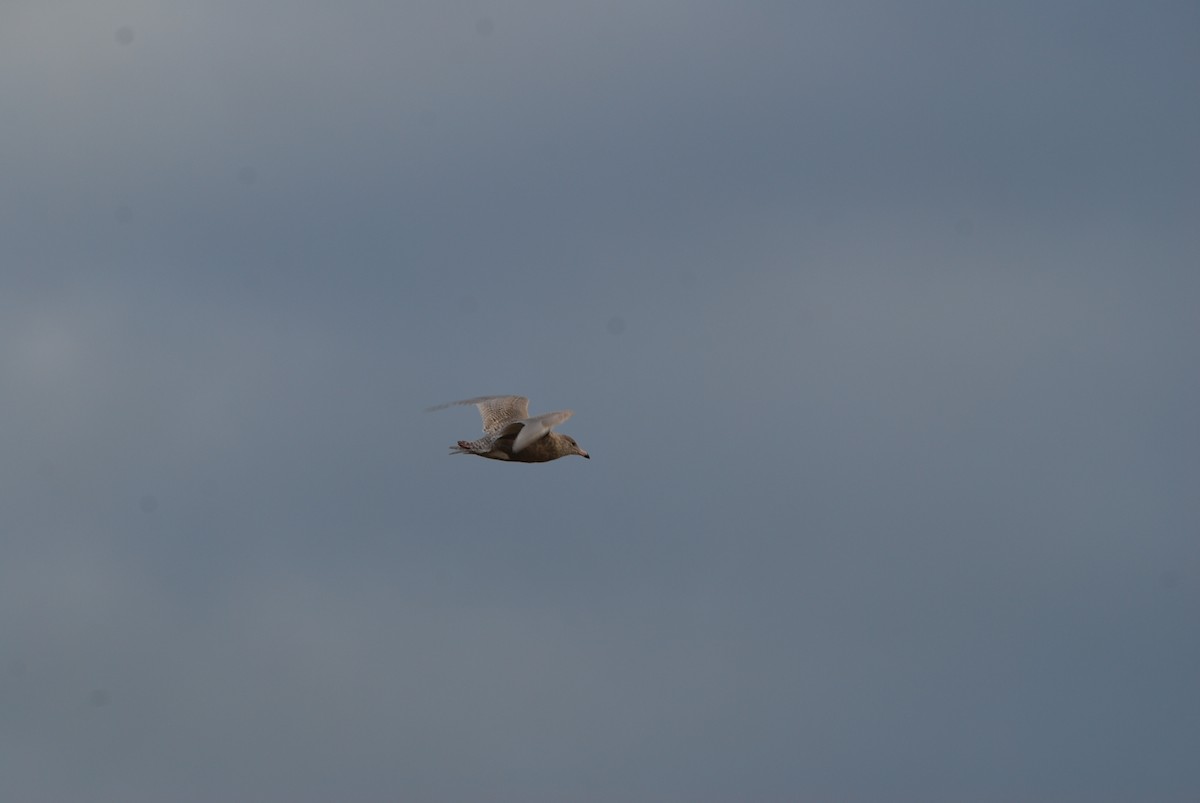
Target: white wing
column 538, row 426
column 497, row 411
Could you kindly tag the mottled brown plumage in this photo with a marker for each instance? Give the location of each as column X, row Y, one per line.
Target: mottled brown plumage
column 511, row 434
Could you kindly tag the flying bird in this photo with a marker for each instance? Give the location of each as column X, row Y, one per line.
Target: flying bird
column 510, row 433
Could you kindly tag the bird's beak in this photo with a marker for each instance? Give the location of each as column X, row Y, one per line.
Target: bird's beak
column 582, row 453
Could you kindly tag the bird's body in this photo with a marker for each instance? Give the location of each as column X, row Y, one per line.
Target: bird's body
column 510, row 433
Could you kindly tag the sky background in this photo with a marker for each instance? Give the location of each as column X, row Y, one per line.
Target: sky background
column 881, row 322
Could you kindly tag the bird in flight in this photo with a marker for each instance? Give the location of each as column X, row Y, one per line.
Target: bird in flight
column 510, row 433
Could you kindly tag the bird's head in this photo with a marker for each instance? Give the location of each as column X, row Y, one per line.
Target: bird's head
column 575, row 448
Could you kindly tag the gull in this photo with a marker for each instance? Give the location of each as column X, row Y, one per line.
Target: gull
column 511, row 433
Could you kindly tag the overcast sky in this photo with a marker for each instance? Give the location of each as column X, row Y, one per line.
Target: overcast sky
column 881, row 322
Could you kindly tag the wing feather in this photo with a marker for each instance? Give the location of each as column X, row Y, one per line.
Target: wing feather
column 497, row 411
column 537, row 426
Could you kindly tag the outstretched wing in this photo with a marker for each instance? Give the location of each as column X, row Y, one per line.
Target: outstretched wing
column 537, row 427
column 497, row 411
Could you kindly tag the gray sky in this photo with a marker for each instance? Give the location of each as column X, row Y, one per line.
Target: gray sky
column 880, row 322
